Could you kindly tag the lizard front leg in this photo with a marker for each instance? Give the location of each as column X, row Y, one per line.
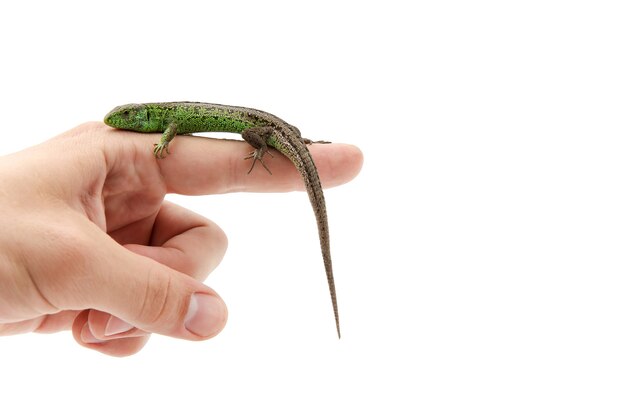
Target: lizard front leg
column 164, row 143
column 257, row 137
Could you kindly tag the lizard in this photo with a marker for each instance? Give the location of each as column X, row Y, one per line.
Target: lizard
column 258, row 128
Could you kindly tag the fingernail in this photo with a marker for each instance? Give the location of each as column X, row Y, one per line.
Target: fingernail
column 116, row 326
column 87, row 336
column 206, row 315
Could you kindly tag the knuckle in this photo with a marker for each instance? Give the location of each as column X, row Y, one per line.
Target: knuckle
column 158, row 307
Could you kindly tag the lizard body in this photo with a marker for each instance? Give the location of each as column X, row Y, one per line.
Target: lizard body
column 260, row 129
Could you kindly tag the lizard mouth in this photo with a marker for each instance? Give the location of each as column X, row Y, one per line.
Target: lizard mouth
column 117, row 116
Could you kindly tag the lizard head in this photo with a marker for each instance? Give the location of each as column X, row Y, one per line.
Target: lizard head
column 129, row 117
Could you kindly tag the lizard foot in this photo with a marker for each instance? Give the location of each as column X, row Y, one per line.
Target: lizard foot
column 159, row 148
column 257, row 155
column 309, row 141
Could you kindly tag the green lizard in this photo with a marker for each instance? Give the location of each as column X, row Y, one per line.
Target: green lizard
column 260, row 129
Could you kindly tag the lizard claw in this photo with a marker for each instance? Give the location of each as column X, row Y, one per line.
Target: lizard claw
column 159, row 148
column 257, row 155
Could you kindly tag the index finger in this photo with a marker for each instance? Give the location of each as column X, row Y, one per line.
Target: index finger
column 200, row 165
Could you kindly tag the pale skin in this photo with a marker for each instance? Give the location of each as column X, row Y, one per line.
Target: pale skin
column 89, row 244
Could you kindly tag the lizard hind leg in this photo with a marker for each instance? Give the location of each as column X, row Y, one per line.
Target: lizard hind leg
column 257, row 155
column 309, row 141
column 257, row 138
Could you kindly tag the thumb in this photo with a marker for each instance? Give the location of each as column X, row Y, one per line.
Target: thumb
column 147, row 295
column 158, row 299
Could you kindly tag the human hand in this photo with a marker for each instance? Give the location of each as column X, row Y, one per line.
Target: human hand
column 88, row 243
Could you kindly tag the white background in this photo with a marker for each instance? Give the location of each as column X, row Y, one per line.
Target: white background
column 479, row 256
